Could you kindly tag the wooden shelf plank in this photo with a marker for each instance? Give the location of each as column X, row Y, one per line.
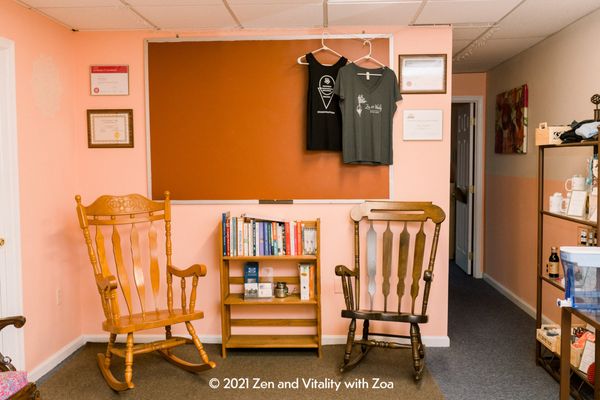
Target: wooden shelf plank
column 572, row 219
column 292, row 299
column 272, row 322
column 270, row 258
column 578, row 144
column 272, row 341
column 556, row 283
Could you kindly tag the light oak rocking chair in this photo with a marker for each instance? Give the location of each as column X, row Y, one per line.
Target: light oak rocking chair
column 132, row 215
column 406, row 215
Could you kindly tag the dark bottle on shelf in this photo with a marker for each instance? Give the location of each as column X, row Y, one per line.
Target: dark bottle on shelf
column 553, row 263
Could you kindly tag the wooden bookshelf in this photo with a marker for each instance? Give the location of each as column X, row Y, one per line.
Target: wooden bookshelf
column 232, row 298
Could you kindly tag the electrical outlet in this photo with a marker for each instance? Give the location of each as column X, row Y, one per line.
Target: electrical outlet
column 58, row 296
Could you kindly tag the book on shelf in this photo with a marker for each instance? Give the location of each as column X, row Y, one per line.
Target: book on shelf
column 251, row 280
column 307, row 281
column 248, row 237
column 265, row 285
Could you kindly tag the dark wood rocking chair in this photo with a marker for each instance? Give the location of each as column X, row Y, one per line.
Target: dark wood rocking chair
column 131, row 215
column 13, row 383
column 405, row 214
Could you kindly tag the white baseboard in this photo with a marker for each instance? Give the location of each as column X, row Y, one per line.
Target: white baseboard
column 51, row 362
column 519, row 302
column 55, row 359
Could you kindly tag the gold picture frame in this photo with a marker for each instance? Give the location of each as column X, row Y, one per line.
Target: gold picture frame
column 422, row 73
column 110, row 128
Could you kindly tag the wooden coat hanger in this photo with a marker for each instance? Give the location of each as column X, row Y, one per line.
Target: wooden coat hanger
column 322, row 48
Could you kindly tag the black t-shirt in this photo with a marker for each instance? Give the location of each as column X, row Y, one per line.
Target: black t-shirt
column 324, row 122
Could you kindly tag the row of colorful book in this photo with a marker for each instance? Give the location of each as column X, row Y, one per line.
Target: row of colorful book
column 249, row 235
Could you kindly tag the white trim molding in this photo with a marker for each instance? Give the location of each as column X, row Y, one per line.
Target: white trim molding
column 478, row 169
column 11, row 282
column 54, row 360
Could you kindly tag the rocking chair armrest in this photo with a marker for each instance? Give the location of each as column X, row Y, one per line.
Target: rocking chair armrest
column 342, row 270
column 194, row 270
column 18, row 321
column 106, row 282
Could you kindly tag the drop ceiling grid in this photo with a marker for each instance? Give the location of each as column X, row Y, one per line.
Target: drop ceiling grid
column 188, row 17
column 461, row 11
column 372, row 14
column 97, row 18
column 529, row 21
column 280, row 15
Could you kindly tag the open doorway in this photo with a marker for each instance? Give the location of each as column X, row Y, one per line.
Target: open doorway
column 466, row 184
column 11, row 297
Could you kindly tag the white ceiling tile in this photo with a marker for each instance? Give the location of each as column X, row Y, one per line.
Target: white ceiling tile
column 464, row 11
column 379, row 13
column 526, row 20
column 464, row 33
column 71, row 3
column 169, row 3
column 279, row 15
column 274, row 2
column 459, row 44
column 188, row 17
column 97, row 18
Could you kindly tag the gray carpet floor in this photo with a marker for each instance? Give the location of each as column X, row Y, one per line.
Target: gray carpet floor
column 491, row 357
column 492, row 347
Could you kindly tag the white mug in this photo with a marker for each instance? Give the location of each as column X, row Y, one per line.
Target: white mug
column 577, row 182
column 558, row 204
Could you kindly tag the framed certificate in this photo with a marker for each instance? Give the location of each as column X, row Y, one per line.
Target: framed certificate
column 110, row 128
column 109, row 80
column 422, row 124
column 422, row 73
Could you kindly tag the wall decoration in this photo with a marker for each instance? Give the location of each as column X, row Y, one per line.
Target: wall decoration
column 422, row 124
column 110, row 128
column 422, row 73
column 511, row 121
column 109, row 80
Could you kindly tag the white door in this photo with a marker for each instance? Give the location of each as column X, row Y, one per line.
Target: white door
column 11, row 339
column 463, row 116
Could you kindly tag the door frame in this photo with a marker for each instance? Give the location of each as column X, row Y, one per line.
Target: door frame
column 478, row 170
column 11, row 295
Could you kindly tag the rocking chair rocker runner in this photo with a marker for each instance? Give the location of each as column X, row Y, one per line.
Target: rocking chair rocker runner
column 406, row 215
column 130, row 215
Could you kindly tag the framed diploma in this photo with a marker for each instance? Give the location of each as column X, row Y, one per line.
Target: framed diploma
column 109, row 80
column 422, row 74
column 110, row 128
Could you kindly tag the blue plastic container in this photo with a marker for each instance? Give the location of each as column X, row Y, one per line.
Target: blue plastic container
column 581, row 266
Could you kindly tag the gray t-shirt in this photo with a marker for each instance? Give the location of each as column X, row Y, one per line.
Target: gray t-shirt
column 368, row 107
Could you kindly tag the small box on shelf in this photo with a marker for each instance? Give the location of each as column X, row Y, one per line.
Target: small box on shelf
column 549, row 336
column 546, row 134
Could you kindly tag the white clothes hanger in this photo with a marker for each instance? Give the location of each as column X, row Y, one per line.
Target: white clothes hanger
column 368, row 57
column 322, row 48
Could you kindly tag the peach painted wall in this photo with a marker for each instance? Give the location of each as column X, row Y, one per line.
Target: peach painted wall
column 55, row 163
column 196, row 226
column 469, row 84
column 47, row 175
column 559, row 92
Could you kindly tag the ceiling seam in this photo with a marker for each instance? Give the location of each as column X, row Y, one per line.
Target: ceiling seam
column 232, row 14
column 37, row 10
column 418, row 12
column 136, row 12
column 485, row 36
